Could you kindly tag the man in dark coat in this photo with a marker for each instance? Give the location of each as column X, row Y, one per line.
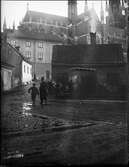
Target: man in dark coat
column 34, row 92
column 43, row 91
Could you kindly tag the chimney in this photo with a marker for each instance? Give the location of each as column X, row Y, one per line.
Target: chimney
column 93, row 38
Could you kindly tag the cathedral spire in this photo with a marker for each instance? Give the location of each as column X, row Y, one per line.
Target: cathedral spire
column 72, row 10
column 102, row 13
column 92, row 4
column 107, row 7
column 27, row 7
column 85, row 7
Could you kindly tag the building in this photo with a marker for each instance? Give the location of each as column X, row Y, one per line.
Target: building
column 94, row 71
column 15, row 69
column 36, row 35
column 37, row 48
column 39, row 32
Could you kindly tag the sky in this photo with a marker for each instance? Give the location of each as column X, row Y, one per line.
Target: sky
column 14, row 11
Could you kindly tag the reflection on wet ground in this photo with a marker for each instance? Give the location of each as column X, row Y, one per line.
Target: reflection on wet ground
column 23, row 117
column 27, row 120
column 14, row 154
column 98, row 125
column 26, row 108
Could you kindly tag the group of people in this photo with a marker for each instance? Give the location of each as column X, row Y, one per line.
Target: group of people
column 58, row 89
column 42, row 92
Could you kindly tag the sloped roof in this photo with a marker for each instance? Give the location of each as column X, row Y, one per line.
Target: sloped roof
column 35, row 36
column 23, row 58
column 38, row 15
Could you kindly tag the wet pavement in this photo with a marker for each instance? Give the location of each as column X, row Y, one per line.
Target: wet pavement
column 62, row 132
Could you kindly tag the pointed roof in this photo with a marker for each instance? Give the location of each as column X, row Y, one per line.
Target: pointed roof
column 35, row 36
column 37, row 15
column 102, row 13
column 27, row 6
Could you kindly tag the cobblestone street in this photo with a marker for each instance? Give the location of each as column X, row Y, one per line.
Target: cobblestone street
column 62, row 132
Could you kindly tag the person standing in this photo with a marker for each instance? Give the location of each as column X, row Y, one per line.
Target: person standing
column 34, row 92
column 43, row 91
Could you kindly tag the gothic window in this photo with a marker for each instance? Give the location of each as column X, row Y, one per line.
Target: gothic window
column 28, row 44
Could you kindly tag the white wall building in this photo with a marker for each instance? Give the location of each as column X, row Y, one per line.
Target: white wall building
column 26, row 72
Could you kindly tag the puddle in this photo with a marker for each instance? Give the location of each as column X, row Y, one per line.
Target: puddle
column 30, row 122
column 15, row 154
column 25, row 113
column 25, row 108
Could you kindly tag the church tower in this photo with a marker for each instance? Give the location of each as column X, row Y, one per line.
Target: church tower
column 115, row 18
column 72, row 11
column 72, row 17
column 85, row 7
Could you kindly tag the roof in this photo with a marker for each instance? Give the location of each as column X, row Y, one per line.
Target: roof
column 6, row 65
column 23, row 58
column 37, row 15
column 35, row 36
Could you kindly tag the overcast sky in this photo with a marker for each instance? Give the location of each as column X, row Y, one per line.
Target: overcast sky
column 15, row 10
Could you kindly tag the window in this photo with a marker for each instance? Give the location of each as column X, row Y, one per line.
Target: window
column 40, row 56
column 28, row 54
column 28, row 44
column 28, row 70
column 24, row 69
column 40, row 45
